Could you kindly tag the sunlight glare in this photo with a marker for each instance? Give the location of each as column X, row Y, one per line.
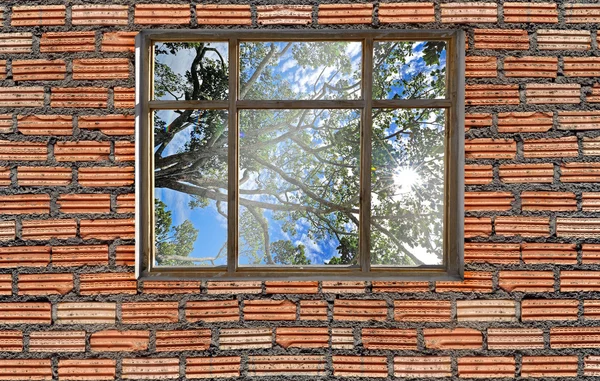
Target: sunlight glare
column 405, row 178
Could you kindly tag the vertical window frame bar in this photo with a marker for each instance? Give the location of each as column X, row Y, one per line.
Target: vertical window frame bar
column 232, row 160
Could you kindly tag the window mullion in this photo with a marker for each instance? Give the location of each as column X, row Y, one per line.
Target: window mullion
column 232, row 161
column 365, row 157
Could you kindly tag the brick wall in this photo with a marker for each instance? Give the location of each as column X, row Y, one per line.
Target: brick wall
column 71, row 308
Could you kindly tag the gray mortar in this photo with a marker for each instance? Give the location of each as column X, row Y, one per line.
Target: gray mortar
column 491, row 132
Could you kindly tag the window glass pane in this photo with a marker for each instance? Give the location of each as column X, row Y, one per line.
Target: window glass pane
column 407, row 187
column 190, row 187
column 191, row 70
column 409, row 70
column 299, row 182
column 300, row 70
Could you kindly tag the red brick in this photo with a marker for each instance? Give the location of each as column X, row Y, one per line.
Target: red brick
column 594, row 94
column 481, row 67
column 284, row 14
column 574, row 281
column 6, row 284
column 14, row 43
column 38, row 15
column 107, row 229
column 107, row 283
column 5, row 176
column 24, row 256
column 522, row 226
column 24, row 151
column 591, row 309
column 553, row 93
column 557, row 201
column 57, row 125
column 80, row 255
column 190, row 340
column 402, row 287
column 505, row 39
column 389, row 339
column 359, row 310
column 422, row 310
column 477, row 120
column 582, row 13
column 150, row 368
column 11, row 341
column 45, row 284
column 345, row 13
column 44, row 176
column 248, row 287
column 7, row 230
column 526, row 281
column 343, row 287
column 86, row 369
column 496, row 253
column 543, row 67
column 469, row 13
column 21, row 369
column 512, row 122
column 125, row 255
column 82, row 151
column 342, row 338
column 571, row 40
column 313, row 310
column 84, row 203
column 119, row 341
column 457, row 338
column 68, row 42
column 486, row 367
column 523, row 12
column 20, row 96
column 527, row 173
column 485, row 310
column 515, row 338
column 549, row 366
column 156, row 14
column 149, row 312
column 79, row 97
column 360, row 366
column 581, row 66
column 578, row 227
column 118, row 42
column 101, row 14
column 100, row 68
column 106, row 176
column 269, row 310
column 171, row 287
column 590, row 201
column 245, row 338
column 478, row 227
column 578, row 120
column 475, row 281
column 574, row 337
column 554, row 253
column 302, row 337
column 47, row 229
column 478, row 174
column 57, row 341
column 124, row 151
column 303, row 365
column 212, row 367
column 422, row 366
column 484, row 95
column 287, row 287
column 111, row 125
column 25, row 313
column 591, row 146
column 6, row 122
column 488, row 201
column 223, row 14
column 485, row 148
column 409, row 12
column 39, row 70
column 126, row 203
column 212, row 310
column 25, row 204
column 591, row 366
column 86, row 313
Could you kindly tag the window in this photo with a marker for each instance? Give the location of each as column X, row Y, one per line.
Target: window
column 300, row 155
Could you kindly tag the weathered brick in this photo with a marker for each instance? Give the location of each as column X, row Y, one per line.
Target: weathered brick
column 24, row 256
column 57, row 341
column 80, row 255
column 457, row 338
column 497, row 253
column 526, row 281
column 57, row 125
column 82, row 151
column 581, row 66
column 190, row 340
column 591, row 146
column 487, row 95
column 345, row 13
column 247, row 287
column 486, row 367
column 6, row 284
column 6, row 123
column 294, row 287
column 409, row 12
column 23, row 369
column 126, row 203
column 591, row 309
column 25, row 313
column 99, row 14
column 422, row 310
column 302, row 365
column 542, row 67
column 79, row 97
column 593, row 96
column 156, row 14
column 578, row 227
column 559, row 147
column 44, row 176
column 389, row 339
column 125, row 255
column 39, row 70
column 476, row 174
column 481, row 67
column 527, row 173
column 302, row 337
column 111, row 125
column 359, row 310
column 245, row 338
column 223, row 14
column 343, row 287
column 402, row 287
column 124, row 151
column 11, row 341
column 342, row 338
column 360, row 366
column 422, row 366
column 477, row 227
column 579, row 120
column 47, row 229
column 68, row 42
column 558, row 201
column 555, row 253
column 505, row 39
column 84, row 203
column 150, row 368
column 549, row 366
column 86, row 313
column 577, row 280
column 25, row 204
column 149, row 312
column 119, row 341
column 7, row 230
column 100, row 68
column 20, row 96
column 86, row 369
column 553, row 93
column 38, row 15
column 469, row 13
column 212, row 367
column 212, row 310
column 582, row 13
column 474, row 281
column 269, row 310
column 484, row 148
column 571, row 40
column 486, row 310
column 591, row 366
column 107, row 283
column 515, row 338
column 45, row 284
column 512, row 122
column 118, row 42
column 477, row 120
column 171, row 287
column 107, row 229
column 590, row 201
column 574, row 337
column 15, row 43
column 524, row 12
column 284, row 14
column 313, row 310
column 522, row 226
column 106, row 176
column 124, row 97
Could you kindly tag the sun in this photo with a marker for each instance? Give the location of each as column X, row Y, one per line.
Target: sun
column 405, row 178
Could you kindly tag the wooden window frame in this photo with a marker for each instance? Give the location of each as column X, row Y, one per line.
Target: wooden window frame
column 452, row 267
